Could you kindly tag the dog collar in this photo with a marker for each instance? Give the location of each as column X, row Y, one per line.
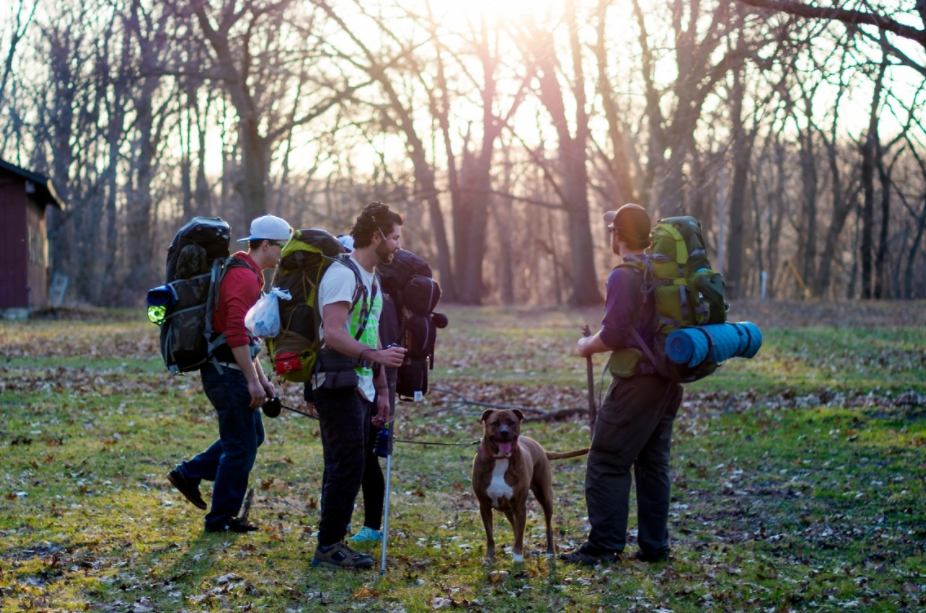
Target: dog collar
column 485, row 452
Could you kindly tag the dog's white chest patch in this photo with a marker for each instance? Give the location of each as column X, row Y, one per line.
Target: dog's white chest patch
column 498, row 488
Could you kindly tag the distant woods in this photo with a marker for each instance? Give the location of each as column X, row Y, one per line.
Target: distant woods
column 794, row 133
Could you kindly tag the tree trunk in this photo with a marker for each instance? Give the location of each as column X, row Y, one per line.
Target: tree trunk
column 138, row 223
column 911, row 256
column 884, row 176
column 869, row 152
column 808, row 236
column 625, row 191
column 474, row 202
column 742, row 153
column 572, row 168
column 831, row 243
column 868, row 213
column 584, row 277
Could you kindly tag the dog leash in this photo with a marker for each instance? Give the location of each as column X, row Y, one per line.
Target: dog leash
column 435, row 443
column 272, row 409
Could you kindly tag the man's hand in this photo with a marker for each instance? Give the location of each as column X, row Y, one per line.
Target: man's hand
column 390, row 356
column 267, row 386
column 581, row 346
column 310, row 407
column 587, row 346
column 382, row 410
column 257, row 392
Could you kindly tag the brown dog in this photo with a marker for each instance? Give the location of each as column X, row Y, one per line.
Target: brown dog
column 505, row 468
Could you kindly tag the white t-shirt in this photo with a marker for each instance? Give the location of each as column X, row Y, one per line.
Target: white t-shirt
column 337, row 285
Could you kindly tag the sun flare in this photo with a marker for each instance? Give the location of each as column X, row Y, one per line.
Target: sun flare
column 494, row 10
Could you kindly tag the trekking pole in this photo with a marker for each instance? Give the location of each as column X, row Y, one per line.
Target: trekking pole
column 383, row 449
column 590, row 375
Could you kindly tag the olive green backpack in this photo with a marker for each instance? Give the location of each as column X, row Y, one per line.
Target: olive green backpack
column 303, row 262
column 687, row 291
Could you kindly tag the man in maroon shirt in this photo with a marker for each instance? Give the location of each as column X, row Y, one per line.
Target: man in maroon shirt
column 235, row 384
column 634, row 426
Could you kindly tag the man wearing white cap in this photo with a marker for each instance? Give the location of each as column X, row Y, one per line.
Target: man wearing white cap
column 235, row 384
column 633, row 430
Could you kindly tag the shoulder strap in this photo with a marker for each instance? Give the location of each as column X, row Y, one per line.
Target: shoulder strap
column 360, row 294
column 644, row 267
column 658, row 363
column 219, row 269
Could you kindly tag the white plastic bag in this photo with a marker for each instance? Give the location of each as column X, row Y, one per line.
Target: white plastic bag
column 263, row 319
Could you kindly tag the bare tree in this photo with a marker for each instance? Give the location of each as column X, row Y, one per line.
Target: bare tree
column 470, row 172
column 918, row 217
column 11, row 35
column 397, row 113
column 700, row 67
column 538, row 45
column 255, row 64
column 874, row 13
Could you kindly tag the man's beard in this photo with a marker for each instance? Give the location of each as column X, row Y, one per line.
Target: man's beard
column 384, row 254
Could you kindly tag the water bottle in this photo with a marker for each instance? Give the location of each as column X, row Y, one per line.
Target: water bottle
column 382, row 444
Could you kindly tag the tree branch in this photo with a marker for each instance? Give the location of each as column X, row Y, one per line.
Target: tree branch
column 851, row 17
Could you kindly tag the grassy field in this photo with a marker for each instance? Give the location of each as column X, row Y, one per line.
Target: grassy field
column 799, row 477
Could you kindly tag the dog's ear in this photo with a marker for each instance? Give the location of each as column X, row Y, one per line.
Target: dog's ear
column 485, row 415
column 519, row 414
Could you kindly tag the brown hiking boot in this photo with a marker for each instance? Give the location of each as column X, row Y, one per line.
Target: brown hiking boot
column 187, row 488
column 340, row 555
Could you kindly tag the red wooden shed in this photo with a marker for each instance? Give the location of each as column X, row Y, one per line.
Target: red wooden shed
column 24, row 196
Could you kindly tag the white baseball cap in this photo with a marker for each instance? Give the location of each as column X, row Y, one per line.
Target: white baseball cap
column 270, row 228
column 347, row 241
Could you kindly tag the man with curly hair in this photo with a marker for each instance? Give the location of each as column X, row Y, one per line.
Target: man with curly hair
column 350, row 302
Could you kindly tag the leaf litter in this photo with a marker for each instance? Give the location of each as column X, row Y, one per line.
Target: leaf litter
column 783, row 498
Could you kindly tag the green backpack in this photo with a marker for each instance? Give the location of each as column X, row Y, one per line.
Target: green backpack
column 687, row 291
column 303, row 262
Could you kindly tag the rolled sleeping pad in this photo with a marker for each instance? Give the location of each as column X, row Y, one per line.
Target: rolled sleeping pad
column 715, row 343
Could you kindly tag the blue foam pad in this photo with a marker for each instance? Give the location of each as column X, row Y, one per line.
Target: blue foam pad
column 717, row 343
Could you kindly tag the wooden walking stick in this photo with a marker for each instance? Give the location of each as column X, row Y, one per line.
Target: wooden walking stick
column 590, row 374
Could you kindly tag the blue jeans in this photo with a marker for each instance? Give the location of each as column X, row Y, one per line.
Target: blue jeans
column 229, row 460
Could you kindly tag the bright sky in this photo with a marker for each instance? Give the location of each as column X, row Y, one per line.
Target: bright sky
column 500, row 9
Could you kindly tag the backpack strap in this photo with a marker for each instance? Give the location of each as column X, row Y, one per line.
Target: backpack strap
column 643, row 265
column 360, row 294
column 658, row 363
column 219, row 270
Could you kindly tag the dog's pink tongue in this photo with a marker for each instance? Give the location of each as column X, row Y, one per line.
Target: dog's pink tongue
column 504, row 448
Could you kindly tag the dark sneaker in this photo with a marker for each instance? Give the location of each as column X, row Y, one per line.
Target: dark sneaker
column 585, row 557
column 186, row 487
column 233, row 525
column 651, row 558
column 340, row 555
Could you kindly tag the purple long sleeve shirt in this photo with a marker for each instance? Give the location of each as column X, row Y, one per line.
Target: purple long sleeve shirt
column 625, row 306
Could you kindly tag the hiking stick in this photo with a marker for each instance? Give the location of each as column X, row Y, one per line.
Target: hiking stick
column 590, row 375
column 246, row 507
column 382, row 569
